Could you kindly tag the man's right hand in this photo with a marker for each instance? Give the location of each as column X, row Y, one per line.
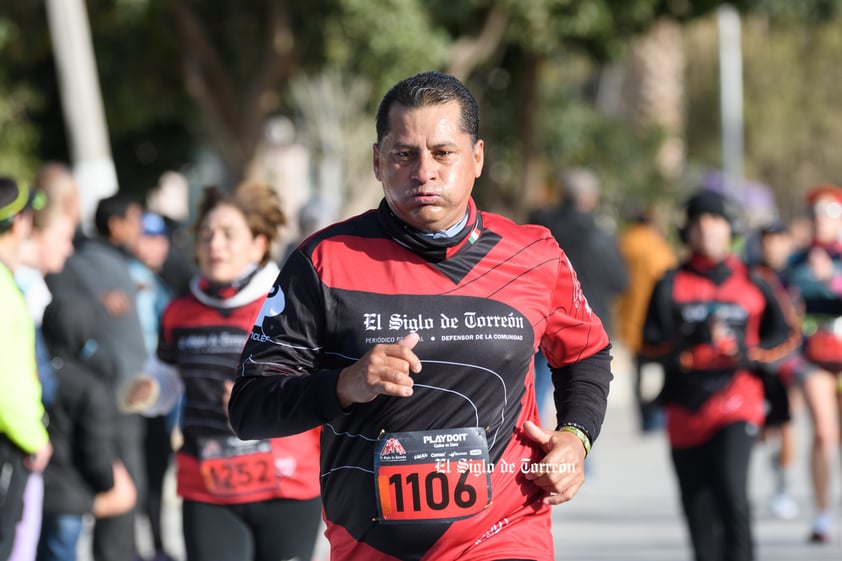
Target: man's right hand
column 140, row 394
column 116, row 302
column 385, row 369
column 38, row 461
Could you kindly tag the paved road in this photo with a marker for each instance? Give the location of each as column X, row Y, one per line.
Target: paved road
column 628, row 510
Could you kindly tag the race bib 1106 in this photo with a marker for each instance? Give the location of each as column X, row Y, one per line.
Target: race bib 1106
column 432, row 476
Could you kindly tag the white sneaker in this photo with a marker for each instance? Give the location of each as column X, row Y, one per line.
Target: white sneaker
column 784, row 507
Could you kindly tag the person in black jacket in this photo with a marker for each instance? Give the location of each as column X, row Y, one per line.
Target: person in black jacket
column 716, row 329
column 592, row 249
column 84, row 475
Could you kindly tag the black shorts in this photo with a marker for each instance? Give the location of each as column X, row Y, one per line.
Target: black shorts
column 777, row 401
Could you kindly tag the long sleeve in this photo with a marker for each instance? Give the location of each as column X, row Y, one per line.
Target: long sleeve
column 95, row 436
column 660, row 332
column 170, row 386
column 581, row 392
column 778, row 337
column 283, row 385
column 578, row 351
column 21, row 409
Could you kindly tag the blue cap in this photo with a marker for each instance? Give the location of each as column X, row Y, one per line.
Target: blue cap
column 154, row 225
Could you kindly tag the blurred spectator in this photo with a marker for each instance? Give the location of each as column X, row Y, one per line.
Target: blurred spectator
column 314, row 215
column 147, row 257
column 153, row 296
column 178, row 267
column 774, row 249
column 714, row 328
column 99, row 271
column 43, row 252
column 84, row 475
column 648, row 256
column 56, row 180
column 170, row 200
column 592, row 251
column 24, row 442
column 815, row 275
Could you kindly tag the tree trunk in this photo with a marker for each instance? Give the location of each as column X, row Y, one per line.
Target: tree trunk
column 654, row 90
column 234, row 113
column 528, row 114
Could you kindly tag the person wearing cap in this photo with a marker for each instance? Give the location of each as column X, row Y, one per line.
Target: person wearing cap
column 774, row 248
column 149, row 251
column 815, row 275
column 24, row 443
column 715, row 329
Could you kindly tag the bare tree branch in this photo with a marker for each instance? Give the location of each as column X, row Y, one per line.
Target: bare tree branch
column 470, row 52
column 277, row 64
column 209, row 82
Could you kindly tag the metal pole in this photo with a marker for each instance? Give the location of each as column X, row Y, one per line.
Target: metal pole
column 731, row 96
column 82, row 103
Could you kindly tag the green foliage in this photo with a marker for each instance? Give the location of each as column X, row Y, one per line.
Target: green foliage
column 792, row 96
column 383, row 40
column 18, row 99
column 155, row 125
column 17, row 151
column 792, row 125
column 804, row 10
column 580, row 135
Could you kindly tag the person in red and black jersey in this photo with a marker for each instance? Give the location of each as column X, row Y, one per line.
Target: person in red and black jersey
column 716, row 329
column 255, row 500
column 783, row 396
column 408, row 333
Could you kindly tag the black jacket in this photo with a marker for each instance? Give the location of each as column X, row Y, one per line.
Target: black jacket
column 594, row 253
column 83, row 417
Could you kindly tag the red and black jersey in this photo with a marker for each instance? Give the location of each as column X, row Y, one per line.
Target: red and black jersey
column 482, row 303
column 714, row 327
column 203, row 336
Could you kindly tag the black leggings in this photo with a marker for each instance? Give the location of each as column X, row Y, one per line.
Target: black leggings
column 262, row 531
column 158, row 453
column 713, row 479
column 13, row 476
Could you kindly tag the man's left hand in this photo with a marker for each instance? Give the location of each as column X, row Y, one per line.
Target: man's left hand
column 562, row 471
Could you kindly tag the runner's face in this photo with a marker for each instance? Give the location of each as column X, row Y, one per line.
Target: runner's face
column 125, row 230
column 225, row 245
column 710, row 236
column 776, row 249
column 827, row 219
column 427, row 165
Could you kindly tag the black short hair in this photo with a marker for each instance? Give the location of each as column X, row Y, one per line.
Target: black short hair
column 117, row 205
column 429, row 88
